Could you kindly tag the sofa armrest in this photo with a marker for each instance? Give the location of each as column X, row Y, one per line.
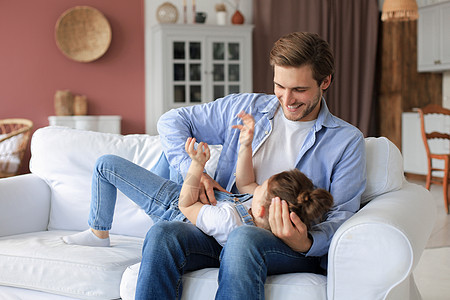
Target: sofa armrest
column 379, row 247
column 24, row 204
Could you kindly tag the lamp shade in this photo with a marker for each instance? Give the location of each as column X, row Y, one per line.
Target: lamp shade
column 399, row 10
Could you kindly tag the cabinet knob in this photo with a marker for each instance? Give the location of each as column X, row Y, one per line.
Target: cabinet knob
column 437, row 62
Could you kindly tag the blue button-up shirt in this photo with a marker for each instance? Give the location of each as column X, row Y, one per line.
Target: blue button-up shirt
column 332, row 156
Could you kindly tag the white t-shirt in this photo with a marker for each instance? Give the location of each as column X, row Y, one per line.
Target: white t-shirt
column 218, row 221
column 279, row 151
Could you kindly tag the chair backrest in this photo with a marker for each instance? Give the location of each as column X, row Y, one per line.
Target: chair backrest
column 14, row 136
column 435, row 133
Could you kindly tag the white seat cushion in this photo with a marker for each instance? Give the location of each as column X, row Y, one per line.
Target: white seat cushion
column 42, row 261
column 202, row 284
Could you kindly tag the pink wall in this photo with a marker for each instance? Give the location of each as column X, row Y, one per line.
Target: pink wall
column 32, row 67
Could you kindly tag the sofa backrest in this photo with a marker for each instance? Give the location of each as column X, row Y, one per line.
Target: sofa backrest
column 65, row 159
column 384, row 167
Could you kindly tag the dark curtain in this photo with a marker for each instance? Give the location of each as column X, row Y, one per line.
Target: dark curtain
column 351, row 28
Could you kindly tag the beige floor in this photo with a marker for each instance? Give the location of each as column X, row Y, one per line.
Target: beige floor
column 433, row 271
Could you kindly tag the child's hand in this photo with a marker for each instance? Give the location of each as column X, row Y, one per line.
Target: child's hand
column 247, row 129
column 201, row 154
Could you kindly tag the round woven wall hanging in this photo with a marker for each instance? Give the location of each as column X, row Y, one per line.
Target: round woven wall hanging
column 167, row 13
column 83, row 33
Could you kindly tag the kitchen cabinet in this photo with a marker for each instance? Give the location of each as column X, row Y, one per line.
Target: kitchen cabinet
column 434, row 38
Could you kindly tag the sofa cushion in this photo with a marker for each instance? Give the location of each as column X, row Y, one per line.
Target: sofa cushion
column 42, row 261
column 65, row 159
column 384, row 164
column 202, row 284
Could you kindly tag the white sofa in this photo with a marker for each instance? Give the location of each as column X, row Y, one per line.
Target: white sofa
column 372, row 255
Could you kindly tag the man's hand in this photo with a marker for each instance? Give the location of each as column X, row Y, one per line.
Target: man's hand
column 207, row 187
column 288, row 227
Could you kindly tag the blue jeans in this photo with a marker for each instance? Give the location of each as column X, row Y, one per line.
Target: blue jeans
column 250, row 254
column 157, row 196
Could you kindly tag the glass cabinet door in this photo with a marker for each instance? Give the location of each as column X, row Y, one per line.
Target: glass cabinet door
column 187, row 72
column 226, row 68
column 203, row 70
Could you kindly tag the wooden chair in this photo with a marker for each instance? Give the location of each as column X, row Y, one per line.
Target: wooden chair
column 14, row 136
column 427, row 137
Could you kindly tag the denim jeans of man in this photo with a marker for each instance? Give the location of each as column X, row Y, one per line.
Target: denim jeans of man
column 173, row 248
column 250, row 254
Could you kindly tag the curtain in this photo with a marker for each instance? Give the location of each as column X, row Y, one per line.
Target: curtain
column 351, row 29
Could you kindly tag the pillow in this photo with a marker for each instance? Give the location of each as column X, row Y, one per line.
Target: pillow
column 384, row 167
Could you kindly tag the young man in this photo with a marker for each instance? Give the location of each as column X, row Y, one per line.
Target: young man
column 293, row 129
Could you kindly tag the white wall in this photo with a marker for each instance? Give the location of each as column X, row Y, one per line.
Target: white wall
column 446, row 90
column 421, row 3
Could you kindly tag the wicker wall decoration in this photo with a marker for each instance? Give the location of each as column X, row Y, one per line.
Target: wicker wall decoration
column 83, row 33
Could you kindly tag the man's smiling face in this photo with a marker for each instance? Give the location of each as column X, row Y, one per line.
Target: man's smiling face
column 298, row 92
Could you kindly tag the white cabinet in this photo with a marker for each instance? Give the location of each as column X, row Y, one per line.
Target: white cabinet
column 413, row 150
column 195, row 63
column 108, row 124
column 434, row 38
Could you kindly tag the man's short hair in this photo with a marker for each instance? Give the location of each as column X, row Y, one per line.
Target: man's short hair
column 304, row 48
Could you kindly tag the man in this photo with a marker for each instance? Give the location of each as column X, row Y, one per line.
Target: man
column 293, row 129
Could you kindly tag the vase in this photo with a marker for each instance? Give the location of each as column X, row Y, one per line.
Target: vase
column 237, row 17
column 221, row 18
column 63, row 103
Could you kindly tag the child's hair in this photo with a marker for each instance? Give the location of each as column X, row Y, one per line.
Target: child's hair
column 308, row 202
